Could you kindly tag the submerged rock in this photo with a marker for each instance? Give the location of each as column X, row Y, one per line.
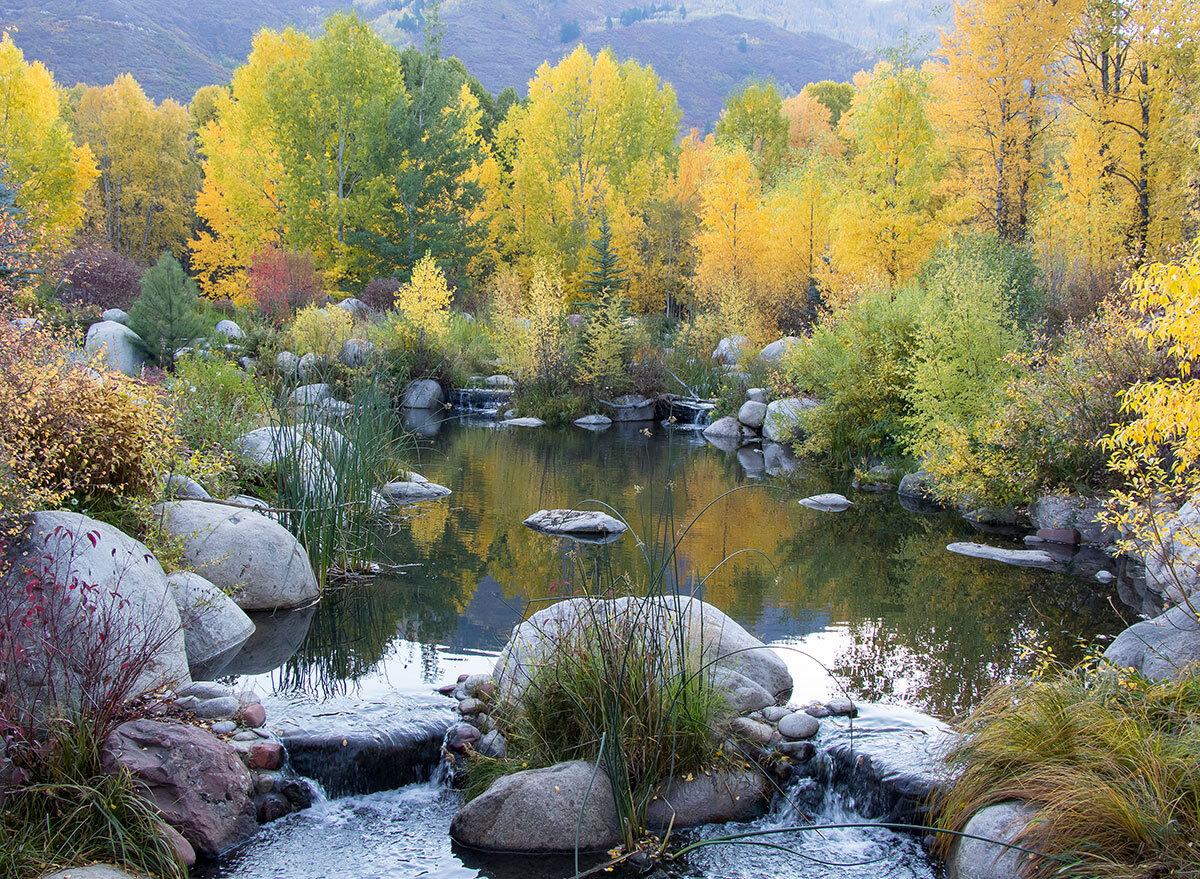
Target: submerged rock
column 412, row 492
column 594, row 422
column 1027, row 558
column 587, row 524
column 557, row 809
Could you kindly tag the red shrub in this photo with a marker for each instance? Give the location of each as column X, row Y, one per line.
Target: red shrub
column 105, row 278
column 282, row 282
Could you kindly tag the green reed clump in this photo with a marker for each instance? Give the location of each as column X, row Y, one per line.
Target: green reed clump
column 66, row 811
column 1109, row 762
column 328, row 470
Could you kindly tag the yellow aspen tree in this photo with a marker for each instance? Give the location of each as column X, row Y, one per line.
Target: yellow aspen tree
column 730, row 244
column 810, row 126
column 37, row 153
column 425, row 299
column 797, row 214
column 995, row 101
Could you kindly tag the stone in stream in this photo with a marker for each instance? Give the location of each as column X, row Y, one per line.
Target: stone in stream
column 742, row 695
column 583, row 524
column 1025, row 558
column 423, row 393
column 827, row 503
column 700, row 798
column 252, row 558
column 726, row 428
column 752, row 414
column 975, row 858
column 1160, row 648
column 632, row 407
column 412, row 492
column 555, row 809
column 196, row 780
column 594, row 422
column 213, row 624
column 523, row 422
column 798, row 726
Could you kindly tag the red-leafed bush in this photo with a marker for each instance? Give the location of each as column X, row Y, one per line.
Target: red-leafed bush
column 380, row 294
column 105, row 278
column 282, row 282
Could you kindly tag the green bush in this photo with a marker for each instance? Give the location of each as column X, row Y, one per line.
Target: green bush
column 1108, row 763
column 214, row 402
column 1007, row 269
column 858, row 363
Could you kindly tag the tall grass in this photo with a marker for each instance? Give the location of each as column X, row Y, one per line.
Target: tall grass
column 328, row 469
column 1109, row 763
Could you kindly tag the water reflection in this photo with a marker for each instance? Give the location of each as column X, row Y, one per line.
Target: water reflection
column 870, row 592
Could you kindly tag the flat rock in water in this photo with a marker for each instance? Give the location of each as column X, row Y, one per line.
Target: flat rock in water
column 412, row 492
column 594, row 422
column 827, row 503
column 523, row 422
column 1026, row 558
column 587, row 524
column 730, row 795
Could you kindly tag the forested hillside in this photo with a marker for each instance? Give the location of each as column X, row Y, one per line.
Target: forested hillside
column 502, row 43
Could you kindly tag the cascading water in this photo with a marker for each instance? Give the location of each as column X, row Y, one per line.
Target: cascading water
column 488, row 402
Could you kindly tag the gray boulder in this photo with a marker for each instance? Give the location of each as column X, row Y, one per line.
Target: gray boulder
column 779, row 459
column 309, row 366
column 287, row 364
column 412, row 492
column 109, row 605
column 729, row 350
column 594, row 422
column 775, row 352
column 356, row 308
column 120, row 346
column 250, row 557
column 310, row 395
column 1173, row 561
column 1076, row 511
column 742, row 695
column 180, row 487
column 799, row 725
column 423, row 393
column 726, row 795
column 541, row 811
column 752, row 414
column 1160, row 648
column 229, row 330
column 575, row 523
column 356, row 352
column 523, row 422
column 197, row 781
column 977, row 859
column 499, row 381
column 632, row 407
column 709, row 636
column 917, row 487
column 758, row 395
column 213, row 625
column 782, row 420
column 725, row 428
column 115, row 315
column 1025, row 558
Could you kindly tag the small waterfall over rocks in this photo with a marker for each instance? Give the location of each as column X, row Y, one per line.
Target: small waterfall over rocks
column 481, row 401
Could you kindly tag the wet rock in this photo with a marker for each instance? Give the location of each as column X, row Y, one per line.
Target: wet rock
column 223, row 727
column 253, row 716
column 594, row 422
column 841, row 706
column 277, row 636
column 249, row 556
column 120, row 347
column 1160, row 648
column 112, row 601
column 471, row 706
column 1061, row 536
column 1026, row 558
column 827, row 503
column 1074, row 511
column 728, row 795
column 195, row 780
column 798, row 751
column 541, row 811
column 575, row 523
column 212, row 623
column 266, row 755
column 272, row 807
column 799, row 726
column 423, row 393
column 977, row 859
column 523, row 422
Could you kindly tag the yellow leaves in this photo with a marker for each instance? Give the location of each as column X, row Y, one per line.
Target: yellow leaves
column 321, row 331
column 425, row 300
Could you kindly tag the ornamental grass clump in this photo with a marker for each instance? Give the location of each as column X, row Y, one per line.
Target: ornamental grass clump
column 1108, row 761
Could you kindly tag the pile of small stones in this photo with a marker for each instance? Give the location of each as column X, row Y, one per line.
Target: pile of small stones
column 240, row 720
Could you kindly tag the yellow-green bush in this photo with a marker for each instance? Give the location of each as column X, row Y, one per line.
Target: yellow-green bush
column 321, row 331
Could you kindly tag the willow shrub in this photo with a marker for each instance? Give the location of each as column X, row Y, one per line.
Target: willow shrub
column 858, row 363
column 1108, row 763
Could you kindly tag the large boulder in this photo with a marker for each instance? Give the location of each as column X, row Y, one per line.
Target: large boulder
column 101, row 617
column 1060, row 512
column 575, row 523
column 213, row 625
column 310, row 395
column 973, row 857
column 356, row 308
column 120, row 346
column 252, row 558
column 115, row 315
column 709, row 635
column 356, row 352
column 726, row 428
column 775, row 352
column 229, row 329
column 781, row 422
column 725, row 795
column 412, row 492
column 197, row 781
column 423, row 393
column 916, row 491
column 1160, row 648
column 310, row 366
column 287, row 364
column 562, row 808
column 752, row 414
column 1173, row 559
column 729, row 350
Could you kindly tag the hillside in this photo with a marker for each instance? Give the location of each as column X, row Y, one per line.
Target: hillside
column 501, row 41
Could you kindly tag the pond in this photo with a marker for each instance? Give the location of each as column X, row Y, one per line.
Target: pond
column 867, row 599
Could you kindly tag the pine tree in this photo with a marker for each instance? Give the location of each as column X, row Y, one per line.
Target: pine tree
column 605, row 276
column 166, row 316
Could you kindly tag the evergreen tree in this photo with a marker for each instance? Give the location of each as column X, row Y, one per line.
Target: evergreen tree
column 16, row 266
column 166, row 315
column 605, row 276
